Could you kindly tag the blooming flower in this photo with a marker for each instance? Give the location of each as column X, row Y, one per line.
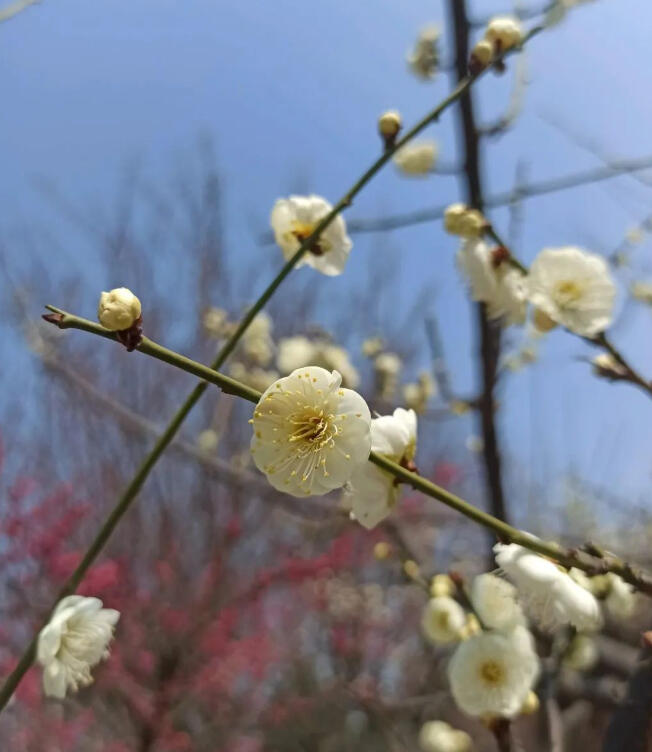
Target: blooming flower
column 504, row 32
column 493, row 672
column 373, row 492
column 443, row 620
column 417, row 157
column 295, row 218
column 438, row 736
column 550, row 595
column 310, row 435
column 494, row 601
column 573, row 288
column 424, row 58
column 74, row 641
column 499, row 286
column 118, row 309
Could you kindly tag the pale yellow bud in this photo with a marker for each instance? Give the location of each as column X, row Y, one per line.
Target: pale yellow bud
column 389, row 124
column 504, row 32
column 482, row 54
column 411, row 569
column 441, row 585
column 208, row 440
column 531, row 704
column 382, row 550
column 460, row 220
column 118, row 309
column 542, row 321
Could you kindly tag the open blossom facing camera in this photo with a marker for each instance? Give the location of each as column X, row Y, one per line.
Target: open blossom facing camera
column 495, row 283
column 74, row 641
column 310, row 435
column 494, row 601
column 373, row 492
column 417, row 158
column 550, row 595
column 295, row 218
column 443, row 620
column 573, row 288
column 492, row 673
column 118, row 309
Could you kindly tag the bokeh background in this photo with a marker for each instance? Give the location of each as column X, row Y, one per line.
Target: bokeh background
column 143, row 144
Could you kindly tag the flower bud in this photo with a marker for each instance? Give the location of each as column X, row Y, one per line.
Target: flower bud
column 411, row 569
column 531, row 704
column 118, row 309
column 389, row 125
column 607, row 366
column 481, row 56
column 542, row 321
column 460, row 220
column 504, row 32
column 441, row 585
column 382, row 550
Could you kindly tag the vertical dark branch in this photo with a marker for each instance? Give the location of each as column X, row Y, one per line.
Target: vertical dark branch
column 489, row 332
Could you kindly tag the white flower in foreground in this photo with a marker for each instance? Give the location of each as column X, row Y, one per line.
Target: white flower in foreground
column 573, row 288
column 550, row 595
column 373, row 492
column 499, row 285
column 74, row 641
column 494, row 601
column 118, row 309
column 621, row 597
column 437, row 736
column 295, row 218
column 443, row 620
column 310, row 435
column 424, row 58
column 504, row 32
column 493, row 672
column 417, row 157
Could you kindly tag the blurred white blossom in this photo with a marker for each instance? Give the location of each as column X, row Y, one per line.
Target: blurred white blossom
column 423, row 59
column 297, row 352
column 417, row 157
column 443, row 620
column 494, row 601
column 504, row 32
column 438, row 736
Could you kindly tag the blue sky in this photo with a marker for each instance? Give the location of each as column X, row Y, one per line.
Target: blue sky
column 291, row 90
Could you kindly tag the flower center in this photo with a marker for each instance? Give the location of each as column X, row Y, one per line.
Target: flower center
column 567, row 293
column 312, row 427
column 303, row 230
column 492, row 673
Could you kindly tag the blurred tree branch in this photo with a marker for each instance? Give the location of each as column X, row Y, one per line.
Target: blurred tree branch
column 9, row 11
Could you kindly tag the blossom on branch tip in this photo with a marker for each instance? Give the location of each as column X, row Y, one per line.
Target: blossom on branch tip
column 493, row 672
column 417, row 157
column 295, row 218
column 74, row 641
column 389, row 126
column 550, row 595
column 373, row 492
column 481, row 56
column 504, row 32
column 443, row 620
column 573, row 288
column 310, row 435
column 118, row 309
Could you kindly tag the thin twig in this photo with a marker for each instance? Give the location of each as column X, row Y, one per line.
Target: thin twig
column 15, row 8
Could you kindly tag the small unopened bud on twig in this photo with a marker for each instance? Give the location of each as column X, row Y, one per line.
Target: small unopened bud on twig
column 441, row 585
column 504, row 32
column 606, row 366
column 389, row 125
column 481, row 56
column 119, row 311
column 531, row 704
column 460, row 220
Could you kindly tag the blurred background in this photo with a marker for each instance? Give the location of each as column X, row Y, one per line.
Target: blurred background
column 144, row 144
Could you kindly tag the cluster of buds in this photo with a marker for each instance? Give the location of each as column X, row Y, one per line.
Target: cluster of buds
column 502, row 33
column 459, row 219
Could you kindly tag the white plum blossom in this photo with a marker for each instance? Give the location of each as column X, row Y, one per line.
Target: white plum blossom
column 295, row 218
column 621, row 597
column 460, row 219
column 417, row 157
column 443, row 620
column 310, row 434
column 438, row 736
column 492, row 672
column 494, row 601
column 373, row 492
column 549, row 594
column 298, row 352
column 499, row 285
column 424, row 58
column 504, row 32
column 257, row 341
column 573, row 288
column 74, row 641
column 118, row 309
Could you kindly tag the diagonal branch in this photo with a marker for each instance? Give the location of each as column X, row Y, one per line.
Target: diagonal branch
column 9, row 11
